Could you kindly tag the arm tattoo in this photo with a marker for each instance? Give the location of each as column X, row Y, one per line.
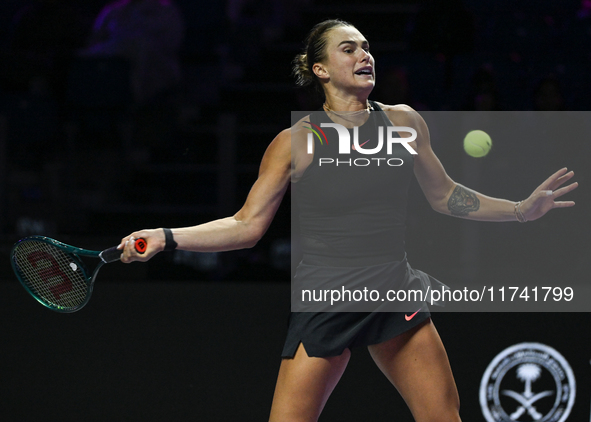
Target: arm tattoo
column 462, row 202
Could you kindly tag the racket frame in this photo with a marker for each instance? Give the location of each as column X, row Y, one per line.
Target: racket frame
column 74, row 253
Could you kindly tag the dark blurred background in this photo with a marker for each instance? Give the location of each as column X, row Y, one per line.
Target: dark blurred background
column 148, row 113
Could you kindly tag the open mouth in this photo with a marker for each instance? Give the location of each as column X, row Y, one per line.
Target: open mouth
column 364, row 71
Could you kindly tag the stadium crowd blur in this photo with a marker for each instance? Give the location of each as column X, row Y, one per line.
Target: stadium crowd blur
column 119, row 115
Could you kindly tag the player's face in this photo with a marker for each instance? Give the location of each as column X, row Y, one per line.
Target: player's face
column 349, row 65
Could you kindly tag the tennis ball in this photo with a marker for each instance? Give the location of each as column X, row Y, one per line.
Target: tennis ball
column 477, row 143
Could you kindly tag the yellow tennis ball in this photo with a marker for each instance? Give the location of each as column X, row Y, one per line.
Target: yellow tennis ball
column 477, row 143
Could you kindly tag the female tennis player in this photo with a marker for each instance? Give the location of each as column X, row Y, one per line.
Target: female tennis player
column 355, row 230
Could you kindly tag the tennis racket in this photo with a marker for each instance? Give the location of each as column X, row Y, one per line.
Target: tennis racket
column 53, row 273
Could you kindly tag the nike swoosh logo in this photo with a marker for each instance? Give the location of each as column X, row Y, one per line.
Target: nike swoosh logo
column 409, row 317
column 360, row 145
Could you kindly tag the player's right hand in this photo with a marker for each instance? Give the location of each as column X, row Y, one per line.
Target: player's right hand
column 155, row 243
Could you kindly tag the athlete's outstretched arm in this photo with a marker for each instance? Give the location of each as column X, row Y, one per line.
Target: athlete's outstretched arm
column 243, row 229
column 451, row 198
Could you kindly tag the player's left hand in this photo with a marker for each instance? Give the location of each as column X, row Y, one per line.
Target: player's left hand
column 543, row 199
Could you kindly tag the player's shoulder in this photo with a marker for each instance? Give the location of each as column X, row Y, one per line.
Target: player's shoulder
column 294, row 132
column 290, row 139
column 399, row 111
column 402, row 115
column 397, row 107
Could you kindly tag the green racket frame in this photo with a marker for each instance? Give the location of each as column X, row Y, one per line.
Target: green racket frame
column 72, row 253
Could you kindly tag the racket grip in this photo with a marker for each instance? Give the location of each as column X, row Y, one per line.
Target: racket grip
column 114, row 254
column 111, row 254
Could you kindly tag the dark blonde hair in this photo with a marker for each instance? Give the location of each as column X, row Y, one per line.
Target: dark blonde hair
column 314, row 52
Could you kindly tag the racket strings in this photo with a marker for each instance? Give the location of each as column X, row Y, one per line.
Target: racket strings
column 51, row 274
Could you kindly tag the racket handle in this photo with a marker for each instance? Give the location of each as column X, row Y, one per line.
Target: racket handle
column 114, row 254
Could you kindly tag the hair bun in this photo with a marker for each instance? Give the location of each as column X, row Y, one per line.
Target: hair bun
column 302, row 71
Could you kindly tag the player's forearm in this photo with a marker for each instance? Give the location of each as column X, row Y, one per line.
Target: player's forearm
column 219, row 235
column 466, row 203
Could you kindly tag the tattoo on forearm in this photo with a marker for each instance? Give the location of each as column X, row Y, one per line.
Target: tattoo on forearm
column 462, row 202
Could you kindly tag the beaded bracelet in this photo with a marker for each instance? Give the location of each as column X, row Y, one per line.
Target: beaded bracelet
column 518, row 213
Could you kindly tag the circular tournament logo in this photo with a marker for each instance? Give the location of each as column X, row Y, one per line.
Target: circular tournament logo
column 527, row 382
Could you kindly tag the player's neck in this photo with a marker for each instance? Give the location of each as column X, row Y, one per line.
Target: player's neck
column 349, row 112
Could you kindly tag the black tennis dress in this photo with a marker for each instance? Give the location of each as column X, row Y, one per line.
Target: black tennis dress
column 351, row 228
